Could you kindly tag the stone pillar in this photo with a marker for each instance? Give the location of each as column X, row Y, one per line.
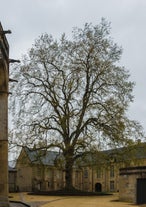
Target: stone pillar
column 4, row 78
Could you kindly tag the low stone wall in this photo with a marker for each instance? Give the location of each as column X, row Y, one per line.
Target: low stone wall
column 128, row 182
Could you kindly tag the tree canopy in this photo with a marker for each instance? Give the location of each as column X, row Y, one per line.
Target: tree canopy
column 73, row 95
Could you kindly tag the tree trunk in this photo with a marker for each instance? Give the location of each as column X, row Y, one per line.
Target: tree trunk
column 68, row 174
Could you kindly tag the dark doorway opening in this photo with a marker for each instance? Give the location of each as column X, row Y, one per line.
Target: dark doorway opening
column 98, row 187
column 141, row 191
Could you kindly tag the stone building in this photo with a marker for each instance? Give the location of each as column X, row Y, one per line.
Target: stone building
column 132, row 182
column 36, row 171
column 98, row 173
column 12, row 179
column 132, row 178
column 4, row 78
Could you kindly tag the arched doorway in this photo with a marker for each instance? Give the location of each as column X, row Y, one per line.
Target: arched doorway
column 98, row 187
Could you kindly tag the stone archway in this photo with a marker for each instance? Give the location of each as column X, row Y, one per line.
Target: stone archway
column 98, row 187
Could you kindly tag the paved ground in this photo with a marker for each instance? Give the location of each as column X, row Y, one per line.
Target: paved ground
column 75, row 201
column 92, row 201
column 18, row 204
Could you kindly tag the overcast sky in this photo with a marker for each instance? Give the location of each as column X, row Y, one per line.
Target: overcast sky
column 28, row 19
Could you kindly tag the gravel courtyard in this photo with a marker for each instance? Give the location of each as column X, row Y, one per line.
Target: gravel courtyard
column 73, row 201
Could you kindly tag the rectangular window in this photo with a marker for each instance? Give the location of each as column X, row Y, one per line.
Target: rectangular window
column 76, row 174
column 76, row 178
column 99, row 173
column 112, row 171
column 38, row 171
column 49, row 173
column 48, row 184
column 112, row 186
column 86, row 173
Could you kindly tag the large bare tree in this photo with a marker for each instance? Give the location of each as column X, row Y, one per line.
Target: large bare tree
column 73, row 95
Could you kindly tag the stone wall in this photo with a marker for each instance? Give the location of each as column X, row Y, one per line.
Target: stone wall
column 4, row 76
column 128, row 182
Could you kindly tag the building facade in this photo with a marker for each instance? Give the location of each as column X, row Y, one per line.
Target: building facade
column 40, row 173
column 132, row 182
column 12, row 179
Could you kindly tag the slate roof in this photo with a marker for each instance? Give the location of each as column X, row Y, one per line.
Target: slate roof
column 42, row 156
column 48, row 157
column 138, row 151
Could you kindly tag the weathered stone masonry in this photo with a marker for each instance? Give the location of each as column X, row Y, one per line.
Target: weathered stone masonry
column 4, row 78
